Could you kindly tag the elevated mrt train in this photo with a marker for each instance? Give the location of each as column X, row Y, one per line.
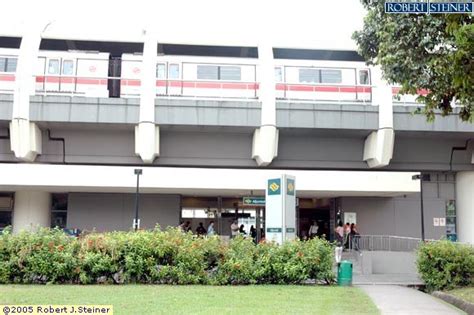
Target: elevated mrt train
column 95, row 74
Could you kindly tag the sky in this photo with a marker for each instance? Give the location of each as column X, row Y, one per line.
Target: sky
column 284, row 23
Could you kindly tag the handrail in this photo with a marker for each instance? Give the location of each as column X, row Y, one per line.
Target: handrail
column 383, row 243
column 180, row 88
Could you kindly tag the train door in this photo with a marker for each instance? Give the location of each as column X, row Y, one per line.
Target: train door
column 68, row 72
column 114, row 73
column 175, row 83
column 280, row 83
column 51, row 80
column 161, row 83
column 364, row 91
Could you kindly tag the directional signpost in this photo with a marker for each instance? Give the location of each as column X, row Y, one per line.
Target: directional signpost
column 253, row 201
column 280, row 214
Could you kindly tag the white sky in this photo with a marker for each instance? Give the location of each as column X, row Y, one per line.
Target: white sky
column 290, row 23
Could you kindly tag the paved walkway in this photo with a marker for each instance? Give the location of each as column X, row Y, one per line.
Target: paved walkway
column 392, row 299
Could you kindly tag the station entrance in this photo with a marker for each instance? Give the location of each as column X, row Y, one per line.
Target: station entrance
column 313, row 210
column 222, row 211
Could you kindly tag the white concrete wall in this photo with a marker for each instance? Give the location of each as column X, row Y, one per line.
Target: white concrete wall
column 384, row 262
column 401, row 216
column 75, row 178
column 465, row 206
column 32, row 209
column 106, row 212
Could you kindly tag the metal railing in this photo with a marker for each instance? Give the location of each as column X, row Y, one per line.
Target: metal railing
column 383, row 243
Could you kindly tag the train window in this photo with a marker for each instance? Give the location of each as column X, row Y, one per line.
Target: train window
column 364, row 77
column 278, row 74
column 161, row 71
column 173, row 71
column 53, row 66
column 205, row 72
column 331, row 76
column 228, row 73
column 68, row 67
column 11, row 64
column 3, row 63
column 309, row 75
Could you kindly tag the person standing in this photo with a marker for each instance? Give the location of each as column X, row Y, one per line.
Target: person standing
column 200, row 229
column 210, row 229
column 355, row 236
column 253, row 233
column 234, row 229
column 340, row 234
column 347, row 233
column 242, row 230
column 313, row 230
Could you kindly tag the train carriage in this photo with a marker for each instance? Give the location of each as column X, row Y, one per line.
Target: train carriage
column 79, row 73
column 193, row 76
column 323, row 80
column 8, row 63
column 60, row 72
column 86, row 73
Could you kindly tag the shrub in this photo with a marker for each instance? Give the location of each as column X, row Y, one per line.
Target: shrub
column 170, row 256
column 445, row 265
column 47, row 256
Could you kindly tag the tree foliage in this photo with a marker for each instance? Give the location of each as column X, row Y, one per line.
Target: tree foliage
column 423, row 52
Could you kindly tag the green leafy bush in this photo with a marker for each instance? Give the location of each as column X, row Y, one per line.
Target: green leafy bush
column 168, row 257
column 446, row 265
column 47, row 256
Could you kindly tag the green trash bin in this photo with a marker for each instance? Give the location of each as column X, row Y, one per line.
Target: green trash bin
column 344, row 273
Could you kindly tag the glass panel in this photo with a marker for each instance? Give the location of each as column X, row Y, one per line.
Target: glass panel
column 3, row 62
column 161, row 71
column 68, row 67
column 230, row 73
column 53, row 66
column 59, row 202
column 207, row 72
column 331, row 76
column 309, row 75
column 58, row 219
column 173, row 71
column 364, row 77
column 278, row 74
column 11, row 64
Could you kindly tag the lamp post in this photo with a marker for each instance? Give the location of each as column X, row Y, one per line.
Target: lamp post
column 422, row 177
column 136, row 221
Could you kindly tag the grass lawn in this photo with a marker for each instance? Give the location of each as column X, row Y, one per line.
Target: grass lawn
column 467, row 294
column 160, row 299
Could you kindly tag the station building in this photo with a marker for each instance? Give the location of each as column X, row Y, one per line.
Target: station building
column 208, row 124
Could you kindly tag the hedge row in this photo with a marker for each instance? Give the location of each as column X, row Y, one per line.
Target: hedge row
column 166, row 257
column 446, row 265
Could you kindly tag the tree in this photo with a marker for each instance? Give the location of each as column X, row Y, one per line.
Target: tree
column 423, row 52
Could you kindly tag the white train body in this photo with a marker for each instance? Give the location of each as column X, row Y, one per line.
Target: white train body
column 62, row 72
column 86, row 74
column 193, row 76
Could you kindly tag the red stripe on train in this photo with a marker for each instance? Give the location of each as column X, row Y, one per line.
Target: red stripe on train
column 7, row 77
column 68, row 80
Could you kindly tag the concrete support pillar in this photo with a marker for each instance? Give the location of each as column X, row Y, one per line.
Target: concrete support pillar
column 25, row 138
column 32, row 209
column 378, row 147
column 465, row 206
column 147, row 134
column 265, row 138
